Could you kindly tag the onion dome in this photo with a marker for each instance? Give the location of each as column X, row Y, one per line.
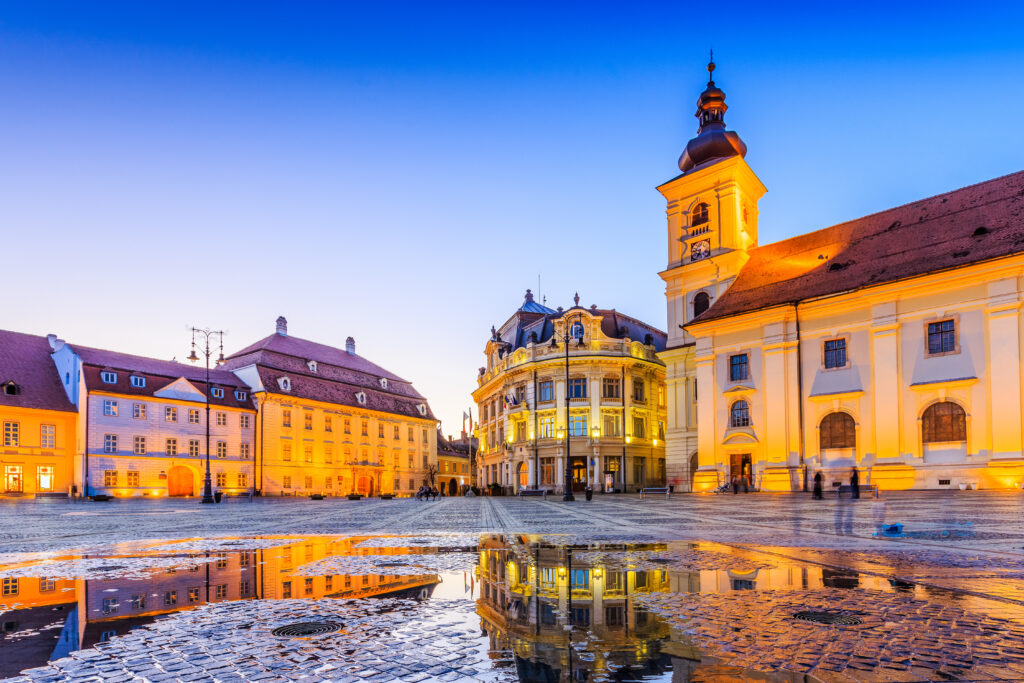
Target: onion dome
column 713, row 141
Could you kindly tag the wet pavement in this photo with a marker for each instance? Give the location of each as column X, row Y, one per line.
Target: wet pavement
column 696, row 588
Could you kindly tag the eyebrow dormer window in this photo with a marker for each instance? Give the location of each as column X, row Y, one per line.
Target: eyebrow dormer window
column 311, row 365
column 383, row 383
column 699, row 216
column 138, row 381
column 217, row 392
column 422, row 407
column 108, row 377
column 284, row 383
column 12, row 389
column 361, row 398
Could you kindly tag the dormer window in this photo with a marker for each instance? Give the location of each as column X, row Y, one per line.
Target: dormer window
column 240, row 395
column 139, row 382
column 311, row 364
column 577, row 331
column 108, row 377
column 383, row 382
column 361, row 398
column 217, row 392
column 284, row 383
column 11, row 389
column 699, row 216
column 422, row 407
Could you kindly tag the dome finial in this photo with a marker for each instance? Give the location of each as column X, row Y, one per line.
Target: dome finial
column 713, row 141
column 711, row 67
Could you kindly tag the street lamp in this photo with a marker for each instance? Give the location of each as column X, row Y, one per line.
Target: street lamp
column 567, row 336
column 206, row 334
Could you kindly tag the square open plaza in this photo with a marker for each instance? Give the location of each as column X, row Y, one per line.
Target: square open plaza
column 810, row 468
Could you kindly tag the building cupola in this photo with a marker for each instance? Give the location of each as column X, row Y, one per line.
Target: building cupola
column 713, row 141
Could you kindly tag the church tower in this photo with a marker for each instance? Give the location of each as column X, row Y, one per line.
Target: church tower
column 712, row 222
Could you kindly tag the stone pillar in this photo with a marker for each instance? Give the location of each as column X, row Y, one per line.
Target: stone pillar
column 707, row 475
column 885, row 382
column 1004, row 385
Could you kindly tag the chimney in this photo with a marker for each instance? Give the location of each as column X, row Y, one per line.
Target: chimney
column 282, row 326
column 350, row 346
column 52, row 338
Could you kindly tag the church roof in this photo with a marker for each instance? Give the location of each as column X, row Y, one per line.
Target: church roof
column 25, row 360
column 973, row 224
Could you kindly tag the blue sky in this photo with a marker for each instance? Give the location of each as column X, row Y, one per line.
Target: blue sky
column 401, row 172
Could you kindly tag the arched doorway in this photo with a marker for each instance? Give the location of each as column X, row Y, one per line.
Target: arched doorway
column 693, row 469
column 180, row 481
column 365, row 486
column 524, row 477
column 453, row 488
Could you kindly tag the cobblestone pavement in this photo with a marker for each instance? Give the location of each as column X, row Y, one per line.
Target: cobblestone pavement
column 942, row 600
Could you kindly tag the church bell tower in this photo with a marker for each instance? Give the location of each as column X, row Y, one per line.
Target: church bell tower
column 712, row 223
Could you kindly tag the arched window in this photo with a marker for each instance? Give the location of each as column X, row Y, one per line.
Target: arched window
column 838, row 431
column 576, row 330
column 699, row 216
column 701, row 303
column 739, row 414
column 945, row 421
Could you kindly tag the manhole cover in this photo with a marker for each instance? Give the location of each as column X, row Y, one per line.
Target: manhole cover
column 110, row 568
column 306, row 629
column 828, row 618
column 392, row 564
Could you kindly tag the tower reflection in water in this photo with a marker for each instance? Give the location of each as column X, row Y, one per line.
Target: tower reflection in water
column 563, row 619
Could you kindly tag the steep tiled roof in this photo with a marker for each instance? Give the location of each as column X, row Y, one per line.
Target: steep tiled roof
column 25, row 360
column 516, row 330
column 969, row 225
column 307, row 350
column 158, row 374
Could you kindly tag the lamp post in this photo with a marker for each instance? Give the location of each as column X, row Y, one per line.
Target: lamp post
column 566, row 337
column 206, row 334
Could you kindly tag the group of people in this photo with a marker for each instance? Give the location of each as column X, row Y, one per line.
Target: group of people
column 426, row 492
column 854, row 485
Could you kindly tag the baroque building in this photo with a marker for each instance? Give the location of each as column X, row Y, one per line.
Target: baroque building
column 37, row 456
column 584, row 383
column 143, row 425
column 333, row 423
column 890, row 343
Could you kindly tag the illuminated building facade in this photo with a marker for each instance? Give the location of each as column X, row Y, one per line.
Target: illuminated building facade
column 37, row 454
column 333, row 423
column 143, row 423
column 610, row 413
column 454, row 470
column 890, row 343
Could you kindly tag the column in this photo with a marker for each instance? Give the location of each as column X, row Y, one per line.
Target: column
column 706, row 477
column 1003, row 316
column 885, row 381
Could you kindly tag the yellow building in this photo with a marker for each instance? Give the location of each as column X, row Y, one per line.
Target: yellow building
column 37, row 456
column 333, row 423
column 890, row 343
column 600, row 399
column 454, row 466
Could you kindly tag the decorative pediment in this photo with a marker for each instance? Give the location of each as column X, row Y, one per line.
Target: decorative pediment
column 181, row 390
column 739, row 389
column 739, row 435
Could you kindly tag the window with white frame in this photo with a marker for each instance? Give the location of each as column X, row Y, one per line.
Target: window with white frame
column 222, row 449
column 110, row 408
column 110, row 477
column 108, row 377
column 138, row 381
column 170, row 414
column 547, row 427
column 240, row 395
column 222, row 419
column 222, row 479
column 611, row 424
column 139, row 411
column 578, row 424
column 171, row 446
column 133, row 478
column 193, row 448
column 243, row 421
column 217, row 392
column 243, row 450
column 193, row 416
column 48, row 436
column 140, row 445
column 639, row 427
column 12, row 433
column 739, row 414
column 110, row 443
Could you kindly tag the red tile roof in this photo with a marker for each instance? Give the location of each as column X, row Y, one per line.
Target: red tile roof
column 158, row 374
column 321, row 353
column 969, row 225
column 25, row 360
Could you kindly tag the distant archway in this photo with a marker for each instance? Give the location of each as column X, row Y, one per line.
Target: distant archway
column 524, row 477
column 693, row 469
column 453, row 488
column 180, row 481
column 365, row 486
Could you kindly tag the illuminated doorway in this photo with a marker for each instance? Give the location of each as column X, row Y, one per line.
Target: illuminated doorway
column 14, row 479
column 524, row 477
column 44, row 478
column 579, row 473
column 180, row 481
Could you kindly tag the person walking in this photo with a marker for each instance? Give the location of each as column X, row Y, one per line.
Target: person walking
column 817, row 487
column 854, row 484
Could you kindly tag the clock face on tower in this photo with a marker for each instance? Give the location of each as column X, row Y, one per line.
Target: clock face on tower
column 700, row 250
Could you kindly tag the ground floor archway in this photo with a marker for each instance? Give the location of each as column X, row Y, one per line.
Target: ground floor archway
column 453, row 487
column 180, row 481
column 365, row 486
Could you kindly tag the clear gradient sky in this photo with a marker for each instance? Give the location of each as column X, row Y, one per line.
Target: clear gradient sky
column 401, row 173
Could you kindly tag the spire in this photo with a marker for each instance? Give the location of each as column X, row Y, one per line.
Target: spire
column 713, row 141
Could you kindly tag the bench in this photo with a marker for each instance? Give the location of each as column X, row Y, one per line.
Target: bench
column 543, row 493
column 866, row 490
column 655, row 490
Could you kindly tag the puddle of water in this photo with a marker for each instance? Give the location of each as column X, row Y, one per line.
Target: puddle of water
column 491, row 608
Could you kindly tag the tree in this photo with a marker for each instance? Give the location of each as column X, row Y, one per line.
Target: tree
column 431, row 474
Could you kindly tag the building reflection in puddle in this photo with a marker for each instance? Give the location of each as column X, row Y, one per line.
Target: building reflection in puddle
column 43, row 619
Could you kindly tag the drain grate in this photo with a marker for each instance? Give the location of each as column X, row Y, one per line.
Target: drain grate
column 306, row 629
column 828, row 618
column 110, row 568
column 392, row 564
